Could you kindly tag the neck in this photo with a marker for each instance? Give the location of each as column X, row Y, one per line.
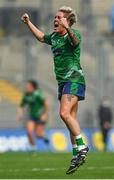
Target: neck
column 62, row 33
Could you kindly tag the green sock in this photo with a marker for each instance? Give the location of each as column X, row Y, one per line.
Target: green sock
column 80, row 143
column 74, row 150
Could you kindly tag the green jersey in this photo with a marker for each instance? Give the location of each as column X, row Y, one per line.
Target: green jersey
column 66, row 57
column 34, row 102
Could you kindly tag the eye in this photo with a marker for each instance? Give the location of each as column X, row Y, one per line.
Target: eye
column 59, row 17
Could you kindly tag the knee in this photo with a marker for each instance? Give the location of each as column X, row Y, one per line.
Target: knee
column 39, row 134
column 64, row 115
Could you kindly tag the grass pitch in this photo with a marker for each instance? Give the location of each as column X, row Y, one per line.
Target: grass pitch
column 54, row 165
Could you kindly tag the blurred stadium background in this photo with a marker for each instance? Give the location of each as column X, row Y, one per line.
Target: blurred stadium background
column 22, row 58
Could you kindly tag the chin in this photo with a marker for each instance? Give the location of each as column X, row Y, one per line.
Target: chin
column 56, row 30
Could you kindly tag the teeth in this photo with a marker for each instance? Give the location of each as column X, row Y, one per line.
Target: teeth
column 56, row 24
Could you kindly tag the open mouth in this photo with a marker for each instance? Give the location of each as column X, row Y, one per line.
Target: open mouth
column 56, row 24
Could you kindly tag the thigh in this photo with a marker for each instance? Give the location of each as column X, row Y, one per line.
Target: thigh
column 68, row 102
column 76, row 89
column 30, row 126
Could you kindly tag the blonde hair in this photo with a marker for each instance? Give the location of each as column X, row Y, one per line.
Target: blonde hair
column 69, row 13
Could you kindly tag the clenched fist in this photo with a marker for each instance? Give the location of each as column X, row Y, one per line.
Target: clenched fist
column 63, row 21
column 25, row 18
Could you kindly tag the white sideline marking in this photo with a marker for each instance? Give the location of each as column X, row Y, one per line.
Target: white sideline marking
column 47, row 169
column 91, row 168
column 55, row 169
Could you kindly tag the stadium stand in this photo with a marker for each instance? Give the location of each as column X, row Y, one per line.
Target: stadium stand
column 10, row 92
column 20, row 61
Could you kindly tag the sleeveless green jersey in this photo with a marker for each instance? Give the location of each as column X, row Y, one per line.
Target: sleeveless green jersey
column 66, row 57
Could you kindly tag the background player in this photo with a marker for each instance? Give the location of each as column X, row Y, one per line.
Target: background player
column 65, row 45
column 37, row 110
column 105, row 116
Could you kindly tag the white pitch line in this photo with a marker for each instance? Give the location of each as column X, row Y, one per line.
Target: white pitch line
column 47, row 169
column 57, row 169
column 90, row 168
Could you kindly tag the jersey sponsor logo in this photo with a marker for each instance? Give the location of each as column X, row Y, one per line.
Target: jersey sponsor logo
column 56, row 42
column 30, row 100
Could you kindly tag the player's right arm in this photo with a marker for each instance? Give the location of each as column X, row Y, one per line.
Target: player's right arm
column 21, row 109
column 36, row 32
column 20, row 112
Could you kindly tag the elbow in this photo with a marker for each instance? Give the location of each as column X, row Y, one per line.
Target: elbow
column 75, row 45
column 40, row 39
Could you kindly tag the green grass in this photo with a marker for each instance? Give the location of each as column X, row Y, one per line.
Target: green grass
column 54, row 165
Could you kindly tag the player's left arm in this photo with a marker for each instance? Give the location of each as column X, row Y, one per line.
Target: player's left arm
column 46, row 110
column 72, row 35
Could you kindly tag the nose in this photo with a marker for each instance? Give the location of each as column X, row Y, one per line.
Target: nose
column 56, row 18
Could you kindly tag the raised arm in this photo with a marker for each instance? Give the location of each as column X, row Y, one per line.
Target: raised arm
column 36, row 32
column 72, row 36
column 74, row 39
